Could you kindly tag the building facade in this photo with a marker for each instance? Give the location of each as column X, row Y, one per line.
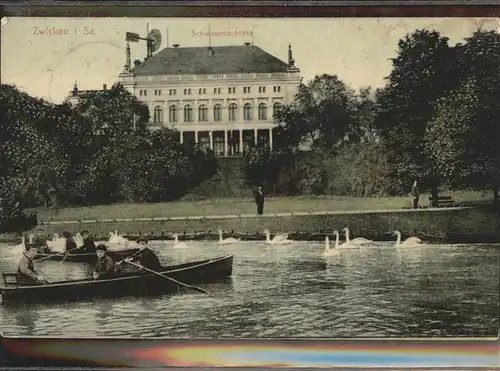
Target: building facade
column 222, row 98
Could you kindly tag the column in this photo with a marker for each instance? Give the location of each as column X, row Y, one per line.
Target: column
column 271, row 139
column 255, row 141
column 197, row 140
column 241, row 141
column 225, row 142
column 211, row 136
column 181, row 134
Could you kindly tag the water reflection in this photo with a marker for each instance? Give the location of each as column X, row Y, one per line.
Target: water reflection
column 289, row 291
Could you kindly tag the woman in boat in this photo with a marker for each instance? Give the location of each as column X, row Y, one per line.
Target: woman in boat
column 145, row 256
column 26, row 273
column 105, row 266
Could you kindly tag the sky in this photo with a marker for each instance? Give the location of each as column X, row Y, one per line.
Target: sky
column 91, row 51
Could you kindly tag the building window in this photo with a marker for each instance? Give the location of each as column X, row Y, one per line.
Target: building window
column 217, row 112
column 276, row 108
column 233, row 110
column 140, row 93
column 246, row 89
column 187, row 91
column 262, row 89
column 158, row 115
column 277, row 89
column 188, row 113
column 215, row 90
column 156, row 91
column 247, row 111
column 172, row 92
column 203, row 113
column 172, row 114
column 232, row 90
column 199, row 91
column 159, row 92
column 262, row 111
column 145, row 92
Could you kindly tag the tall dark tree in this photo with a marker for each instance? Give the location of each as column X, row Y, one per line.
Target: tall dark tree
column 422, row 73
column 464, row 137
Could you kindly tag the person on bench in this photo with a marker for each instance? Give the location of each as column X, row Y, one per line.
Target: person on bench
column 416, row 194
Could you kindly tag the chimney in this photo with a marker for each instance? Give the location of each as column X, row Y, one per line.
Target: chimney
column 247, row 43
column 104, row 87
column 175, row 45
column 127, row 58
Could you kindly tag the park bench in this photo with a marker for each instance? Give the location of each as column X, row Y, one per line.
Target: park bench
column 442, row 201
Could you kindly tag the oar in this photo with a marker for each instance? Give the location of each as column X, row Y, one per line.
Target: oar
column 168, row 278
column 52, row 255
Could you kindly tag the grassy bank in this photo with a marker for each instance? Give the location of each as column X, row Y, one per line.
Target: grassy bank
column 229, row 206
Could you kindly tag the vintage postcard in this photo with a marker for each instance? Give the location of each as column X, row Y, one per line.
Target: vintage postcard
column 250, row 178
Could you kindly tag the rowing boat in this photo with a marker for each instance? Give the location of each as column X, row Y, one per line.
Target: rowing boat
column 86, row 257
column 127, row 284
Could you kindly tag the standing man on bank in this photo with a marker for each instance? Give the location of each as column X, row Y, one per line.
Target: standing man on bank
column 259, row 200
column 416, row 194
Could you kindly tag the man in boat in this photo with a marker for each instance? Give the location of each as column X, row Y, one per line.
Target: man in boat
column 88, row 243
column 26, row 273
column 105, row 266
column 145, row 256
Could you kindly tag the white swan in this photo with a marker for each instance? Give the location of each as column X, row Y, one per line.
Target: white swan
column 179, row 244
column 116, row 238
column 332, row 251
column 355, row 241
column 58, row 244
column 279, row 239
column 31, row 237
column 410, row 241
column 227, row 241
column 78, row 240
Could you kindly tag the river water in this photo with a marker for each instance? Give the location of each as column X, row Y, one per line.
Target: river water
column 289, row 291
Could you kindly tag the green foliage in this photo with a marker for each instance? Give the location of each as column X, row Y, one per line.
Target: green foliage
column 89, row 154
column 261, row 166
column 422, row 72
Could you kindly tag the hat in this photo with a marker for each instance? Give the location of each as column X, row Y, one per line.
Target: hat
column 142, row 239
column 101, row 247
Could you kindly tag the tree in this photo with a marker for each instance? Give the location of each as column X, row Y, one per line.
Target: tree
column 323, row 113
column 464, row 137
column 423, row 71
column 112, row 113
column 367, row 110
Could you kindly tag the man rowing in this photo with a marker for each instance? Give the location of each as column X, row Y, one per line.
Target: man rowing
column 105, row 266
column 26, row 274
column 145, row 256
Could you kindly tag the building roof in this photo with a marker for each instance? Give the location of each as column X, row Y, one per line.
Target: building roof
column 199, row 61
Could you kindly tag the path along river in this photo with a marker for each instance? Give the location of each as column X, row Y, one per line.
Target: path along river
column 289, row 291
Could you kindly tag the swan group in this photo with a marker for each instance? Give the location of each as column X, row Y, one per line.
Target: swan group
column 332, row 251
column 117, row 241
column 57, row 244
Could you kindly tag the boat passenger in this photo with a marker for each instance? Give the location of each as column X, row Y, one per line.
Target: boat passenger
column 70, row 242
column 88, row 243
column 145, row 256
column 26, row 273
column 105, row 266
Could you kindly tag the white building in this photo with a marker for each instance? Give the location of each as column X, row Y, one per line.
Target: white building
column 222, row 97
